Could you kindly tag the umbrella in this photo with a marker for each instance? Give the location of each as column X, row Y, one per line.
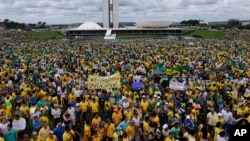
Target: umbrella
column 157, row 72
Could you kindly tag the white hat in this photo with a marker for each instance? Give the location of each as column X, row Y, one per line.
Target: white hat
column 155, row 95
column 51, row 132
column 77, row 104
column 188, row 117
column 158, row 97
column 220, row 114
column 165, row 126
column 143, row 96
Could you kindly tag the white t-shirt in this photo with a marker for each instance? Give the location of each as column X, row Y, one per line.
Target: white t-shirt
column 227, row 115
column 137, row 121
column 71, row 111
column 219, row 138
column 3, row 127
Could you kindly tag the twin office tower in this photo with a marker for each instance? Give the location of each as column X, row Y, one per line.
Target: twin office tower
column 110, row 13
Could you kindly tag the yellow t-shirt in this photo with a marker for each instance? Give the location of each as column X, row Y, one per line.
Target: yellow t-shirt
column 110, row 130
column 94, row 107
column 128, row 114
column 25, row 110
column 1, row 139
column 169, row 139
column 157, row 120
column 131, row 131
column 84, row 106
column 87, row 131
column 96, row 121
column 216, row 133
column 220, row 120
column 43, row 133
column 67, row 136
column 146, row 128
column 144, row 106
column 116, row 118
column 96, row 138
column 53, row 138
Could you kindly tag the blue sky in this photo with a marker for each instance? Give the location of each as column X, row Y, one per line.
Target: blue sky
column 78, row 11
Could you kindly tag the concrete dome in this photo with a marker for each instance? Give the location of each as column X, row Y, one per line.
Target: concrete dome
column 89, row 25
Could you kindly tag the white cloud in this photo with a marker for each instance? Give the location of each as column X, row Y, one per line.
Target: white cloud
column 75, row 11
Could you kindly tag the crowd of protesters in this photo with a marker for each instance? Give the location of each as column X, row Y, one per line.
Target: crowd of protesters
column 45, row 95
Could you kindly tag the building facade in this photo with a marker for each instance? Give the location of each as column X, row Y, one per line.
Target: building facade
column 110, row 13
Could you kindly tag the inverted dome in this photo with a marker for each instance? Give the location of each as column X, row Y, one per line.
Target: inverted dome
column 89, row 25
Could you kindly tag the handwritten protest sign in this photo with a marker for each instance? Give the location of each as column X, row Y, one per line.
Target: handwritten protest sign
column 104, row 82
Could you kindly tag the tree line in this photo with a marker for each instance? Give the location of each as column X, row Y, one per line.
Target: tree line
column 229, row 24
column 16, row 25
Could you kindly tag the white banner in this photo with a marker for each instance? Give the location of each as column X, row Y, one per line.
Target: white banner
column 176, row 85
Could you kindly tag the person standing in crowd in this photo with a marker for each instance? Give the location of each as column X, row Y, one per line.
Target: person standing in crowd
column 211, row 117
column 59, row 130
column 56, row 114
column 72, row 112
column 218, row 128
column 10, row 134
column 84, row 105
column 51, row 137
column 19, row 124
column 110, row 130
column 37, row 124
column 44, row 132
column 68, row 135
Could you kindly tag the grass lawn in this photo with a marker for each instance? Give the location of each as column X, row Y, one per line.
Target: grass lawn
column 48, row 35
column 206, row 34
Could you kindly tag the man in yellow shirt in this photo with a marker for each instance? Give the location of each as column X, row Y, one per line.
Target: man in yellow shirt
column 116, row 116
column 84, row 105
column 170, row 137
column 25, row 109
column 94, row 107
column 131, row 130
column 96, row 121
column 110, row 130
column 87, row 131
column 68, row 134
column 146, row 128
column 43, row 117
column 144, row 105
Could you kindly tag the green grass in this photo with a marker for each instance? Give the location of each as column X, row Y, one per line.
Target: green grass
column 206, row 34
column 47, row 35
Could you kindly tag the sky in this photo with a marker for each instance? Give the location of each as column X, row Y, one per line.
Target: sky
column 80, row 11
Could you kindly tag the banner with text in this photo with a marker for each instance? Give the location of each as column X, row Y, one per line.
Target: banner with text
column 104, row 82
column 176, row 84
